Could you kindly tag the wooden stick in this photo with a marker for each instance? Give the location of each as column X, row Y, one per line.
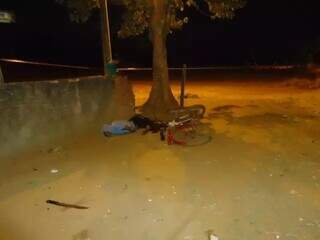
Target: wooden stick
column 66, row 204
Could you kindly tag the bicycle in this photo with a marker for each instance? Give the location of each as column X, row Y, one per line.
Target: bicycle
column 186, row 128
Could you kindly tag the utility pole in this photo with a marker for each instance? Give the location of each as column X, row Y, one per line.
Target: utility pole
column 105, row 34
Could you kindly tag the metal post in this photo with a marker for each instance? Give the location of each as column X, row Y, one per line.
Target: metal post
column 105, row 34
column 1, row 79
column 183, row 81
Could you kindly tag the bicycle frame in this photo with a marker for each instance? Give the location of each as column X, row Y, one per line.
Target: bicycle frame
column 186, row 125
column 186, row 120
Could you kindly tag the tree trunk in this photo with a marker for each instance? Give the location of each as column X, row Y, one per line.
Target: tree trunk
column 161, row 99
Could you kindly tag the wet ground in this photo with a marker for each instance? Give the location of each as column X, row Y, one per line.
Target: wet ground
column 258, row 179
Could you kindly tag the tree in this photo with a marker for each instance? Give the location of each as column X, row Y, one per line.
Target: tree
column 159, row 18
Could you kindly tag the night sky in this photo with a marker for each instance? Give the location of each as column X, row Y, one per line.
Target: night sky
column 264, row 32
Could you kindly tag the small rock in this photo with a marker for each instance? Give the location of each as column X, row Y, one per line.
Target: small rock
column 54, row 170
column 107, row 213
column 213, row 237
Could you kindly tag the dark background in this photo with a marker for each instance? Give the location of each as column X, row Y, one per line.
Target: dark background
column 264, row 32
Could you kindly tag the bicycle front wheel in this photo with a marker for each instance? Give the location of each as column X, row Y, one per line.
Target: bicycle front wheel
column 199, row 135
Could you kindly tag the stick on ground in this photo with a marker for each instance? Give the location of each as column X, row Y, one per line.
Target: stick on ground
column 66, row 204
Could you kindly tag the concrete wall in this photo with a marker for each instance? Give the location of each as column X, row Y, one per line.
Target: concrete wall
column 34, row 113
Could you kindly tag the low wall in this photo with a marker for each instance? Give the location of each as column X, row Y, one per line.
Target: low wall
column 35, row 113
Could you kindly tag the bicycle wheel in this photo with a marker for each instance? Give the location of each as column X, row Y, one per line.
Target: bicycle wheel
column 194, row 111
column 197, row 136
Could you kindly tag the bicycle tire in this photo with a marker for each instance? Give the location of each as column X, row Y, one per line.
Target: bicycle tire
column 195, row 111
column 197, row 137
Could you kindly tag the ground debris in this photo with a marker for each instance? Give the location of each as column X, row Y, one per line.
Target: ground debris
column 108, row 213
column 54, row 170
column 83, row 235
column 190, row 95
column 211, row 235
column 66, row 205
column 55, row 150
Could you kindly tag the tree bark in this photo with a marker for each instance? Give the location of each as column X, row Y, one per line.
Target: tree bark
column 161, row 98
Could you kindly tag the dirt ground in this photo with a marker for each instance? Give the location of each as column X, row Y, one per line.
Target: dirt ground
column 258, row 179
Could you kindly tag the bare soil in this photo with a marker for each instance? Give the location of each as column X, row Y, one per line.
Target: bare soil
column 258, row 179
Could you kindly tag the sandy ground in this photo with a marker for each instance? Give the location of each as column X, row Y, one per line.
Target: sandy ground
column 258, row 179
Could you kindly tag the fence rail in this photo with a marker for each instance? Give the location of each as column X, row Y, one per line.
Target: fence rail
column 253, row 67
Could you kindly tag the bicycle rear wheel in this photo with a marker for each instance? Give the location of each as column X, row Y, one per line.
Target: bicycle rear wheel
column 199, row 135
